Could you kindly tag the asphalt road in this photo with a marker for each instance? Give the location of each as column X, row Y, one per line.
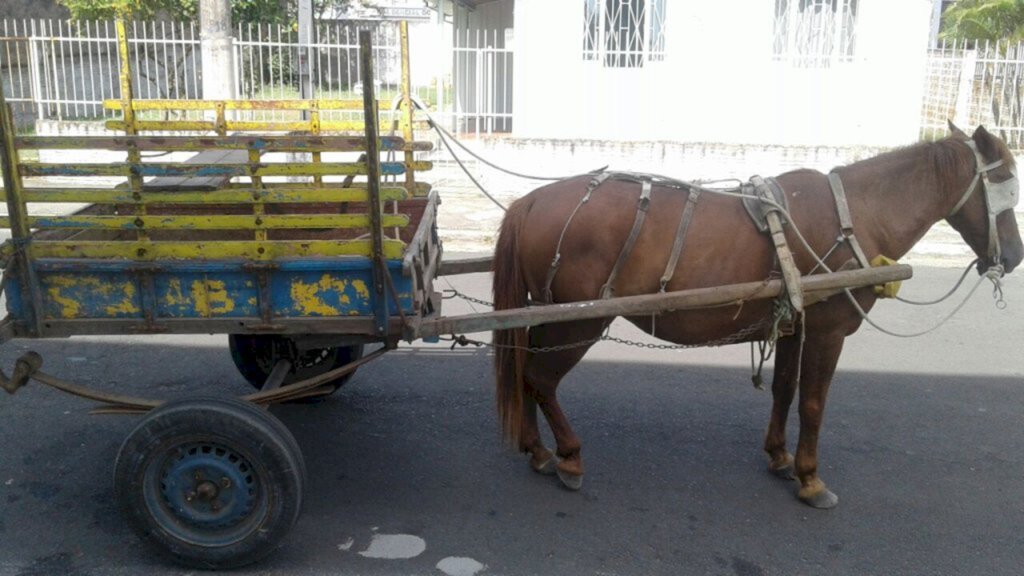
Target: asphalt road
column 922, row 442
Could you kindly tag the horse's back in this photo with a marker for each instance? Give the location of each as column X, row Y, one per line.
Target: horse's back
column 721, row 244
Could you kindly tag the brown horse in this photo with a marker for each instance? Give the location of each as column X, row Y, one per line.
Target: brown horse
column 894, row 199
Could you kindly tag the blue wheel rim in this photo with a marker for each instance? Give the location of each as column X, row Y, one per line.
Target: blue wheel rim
column 205, row 493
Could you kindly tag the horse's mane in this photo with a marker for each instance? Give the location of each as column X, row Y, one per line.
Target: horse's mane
column 944, row 157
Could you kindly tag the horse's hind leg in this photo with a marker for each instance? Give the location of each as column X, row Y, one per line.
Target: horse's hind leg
column 543, row 372
column 542, row 460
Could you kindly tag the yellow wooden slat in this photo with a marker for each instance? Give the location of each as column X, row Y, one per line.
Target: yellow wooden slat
column 232, row 125
column 159, row 104
column 224, row 196
column 262, row 143
column 212, row 222
column 266, row 250
column 212, row 170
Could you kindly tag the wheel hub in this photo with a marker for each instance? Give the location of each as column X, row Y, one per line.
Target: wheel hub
column 208, row 486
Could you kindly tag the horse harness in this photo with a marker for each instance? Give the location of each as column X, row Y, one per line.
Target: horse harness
column 763, row 198
column 647, row 183
column 999, row 197
column 766, row 204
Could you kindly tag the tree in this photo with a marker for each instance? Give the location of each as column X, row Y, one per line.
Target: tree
column 984, row 20
column 242, row 11
column 1001, row 23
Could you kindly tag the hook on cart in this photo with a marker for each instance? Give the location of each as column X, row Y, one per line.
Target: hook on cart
column 24, row 369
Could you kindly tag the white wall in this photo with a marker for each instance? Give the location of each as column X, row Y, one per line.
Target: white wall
column 493, row 15
column 719, row 82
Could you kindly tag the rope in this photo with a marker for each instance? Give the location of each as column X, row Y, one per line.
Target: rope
column 947, row 295
column 992, row 274
column 444, row 136
column 466, row 170
column 444, row 133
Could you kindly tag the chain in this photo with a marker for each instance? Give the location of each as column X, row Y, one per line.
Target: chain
column 735, row 338
column 462, row 340
column 456, row 294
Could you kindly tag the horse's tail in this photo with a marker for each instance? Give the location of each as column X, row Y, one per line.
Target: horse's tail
column 510, row 291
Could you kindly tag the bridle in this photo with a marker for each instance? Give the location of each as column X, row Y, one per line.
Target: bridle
column 999, row 197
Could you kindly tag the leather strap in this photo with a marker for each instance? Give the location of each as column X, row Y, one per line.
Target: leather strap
column 677, row 246
column 845, row 219
column 608, row 290
column 790, row 272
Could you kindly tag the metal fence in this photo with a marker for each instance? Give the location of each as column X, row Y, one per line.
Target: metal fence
column 61, row 70
column 975, row 83
column 481, row 99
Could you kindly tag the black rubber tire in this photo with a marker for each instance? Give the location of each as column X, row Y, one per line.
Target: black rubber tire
column 255, row 355
column 161, row 464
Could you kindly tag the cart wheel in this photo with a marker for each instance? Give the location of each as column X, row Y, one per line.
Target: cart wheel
column 213, row 482
column 256, row 354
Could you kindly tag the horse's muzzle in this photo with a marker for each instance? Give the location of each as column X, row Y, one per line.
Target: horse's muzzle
column 1009, row 263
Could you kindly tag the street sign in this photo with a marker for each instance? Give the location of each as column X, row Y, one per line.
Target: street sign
column 420, row 13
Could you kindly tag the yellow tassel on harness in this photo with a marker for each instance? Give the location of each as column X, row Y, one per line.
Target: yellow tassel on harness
column 889, row 289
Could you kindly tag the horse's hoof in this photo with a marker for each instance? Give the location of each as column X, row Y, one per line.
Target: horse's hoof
column 785, row 471
column 569, row 480
column 547, row 467
column 823, row 499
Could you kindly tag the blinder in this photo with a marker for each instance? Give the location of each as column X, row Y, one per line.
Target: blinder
column 999, row 197
column 1003, row 195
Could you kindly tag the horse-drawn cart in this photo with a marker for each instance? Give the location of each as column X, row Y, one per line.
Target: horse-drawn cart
column 301, row 275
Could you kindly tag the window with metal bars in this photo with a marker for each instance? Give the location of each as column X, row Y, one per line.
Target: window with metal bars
column 624, row 33
column 815, row 33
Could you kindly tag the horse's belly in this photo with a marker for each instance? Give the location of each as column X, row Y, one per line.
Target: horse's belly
column 704, row 327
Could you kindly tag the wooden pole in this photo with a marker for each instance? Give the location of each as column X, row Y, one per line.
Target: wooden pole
column 653, row 303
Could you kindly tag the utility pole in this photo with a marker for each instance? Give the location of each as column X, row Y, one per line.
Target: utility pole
column 442, row 47
column 305, row 40
column 216, row 48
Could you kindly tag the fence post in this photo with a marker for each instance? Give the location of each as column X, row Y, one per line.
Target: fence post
column 438, row 67
column 35, row 81
column 966, row 89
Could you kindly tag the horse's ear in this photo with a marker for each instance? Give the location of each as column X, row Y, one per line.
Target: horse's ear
column 986, row 142
column 956, row 131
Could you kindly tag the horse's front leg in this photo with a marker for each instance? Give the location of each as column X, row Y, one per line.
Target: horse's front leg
column 787, row 354
column 820, row 356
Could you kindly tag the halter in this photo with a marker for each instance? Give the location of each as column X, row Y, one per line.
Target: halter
column 999, row 197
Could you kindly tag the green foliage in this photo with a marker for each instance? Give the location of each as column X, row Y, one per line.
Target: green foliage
column 984, row 20
column 139, row 9
column 242, row 11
